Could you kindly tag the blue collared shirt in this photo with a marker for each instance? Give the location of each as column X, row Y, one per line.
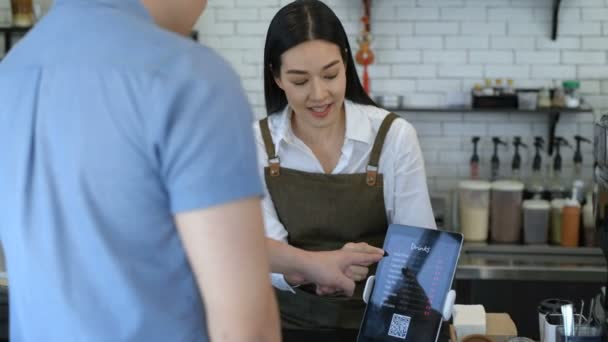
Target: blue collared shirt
column 110, row 125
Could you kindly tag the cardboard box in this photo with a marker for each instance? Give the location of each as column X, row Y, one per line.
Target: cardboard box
column 499, row 328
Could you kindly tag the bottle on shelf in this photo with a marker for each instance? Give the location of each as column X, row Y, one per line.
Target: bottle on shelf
column 516, row 163
column 571, row 90
column 571, row 220
column 509, row 89
column 557, row 188
column 589, row 231
column 477, row 89
column 544, row 98
column 498, row 88
column 23, row 13
column 474, row 164
column 488, row 90
column 559, row 98
column 495, row 161
column 578, row 165
column 536, row 182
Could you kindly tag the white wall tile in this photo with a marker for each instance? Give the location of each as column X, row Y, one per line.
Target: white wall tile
column 537, row 57
column 466, row 42
column 593, row 72
column 490, row 57
column 445, row 85
column 512, row 71
column 555, row 72
column 595, row 14
column 436, row 28
column 464, row 14
column 461, row 71
column 527, row 29
column 414, row 71
column 579, row 28
column 394, row 56
column 247, row 28
column 421, row 42
column 576, row 57
column 237, row 14
column 563, row 43
column 483, row 28
column 445, row 56
column 391, row 27
column 595, row 43
column 512, row 43
column 418, row 14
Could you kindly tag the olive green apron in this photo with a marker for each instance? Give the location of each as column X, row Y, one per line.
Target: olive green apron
column 322, row 212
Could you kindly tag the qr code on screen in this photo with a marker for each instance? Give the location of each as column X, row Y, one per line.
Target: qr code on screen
column 399, row 326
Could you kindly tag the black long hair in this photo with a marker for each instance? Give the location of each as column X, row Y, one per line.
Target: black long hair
column 296, row 23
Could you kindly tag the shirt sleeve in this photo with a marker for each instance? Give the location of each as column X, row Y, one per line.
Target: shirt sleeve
column 203, row 142
column 411, row 195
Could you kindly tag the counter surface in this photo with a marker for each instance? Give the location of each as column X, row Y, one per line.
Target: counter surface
column 480, row 261
column 531, row 262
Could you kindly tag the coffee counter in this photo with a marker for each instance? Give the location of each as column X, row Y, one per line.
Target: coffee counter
column 515, row 278
column 480, row 261
column 531, row 262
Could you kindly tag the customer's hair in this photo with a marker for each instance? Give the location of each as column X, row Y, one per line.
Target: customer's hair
column 296, row 23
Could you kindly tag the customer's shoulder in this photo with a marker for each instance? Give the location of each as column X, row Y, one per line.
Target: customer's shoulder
column 192, row 60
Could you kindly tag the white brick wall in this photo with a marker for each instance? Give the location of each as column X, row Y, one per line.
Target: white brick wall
column 432, row 50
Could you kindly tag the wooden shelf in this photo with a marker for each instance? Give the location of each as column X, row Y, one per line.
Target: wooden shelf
column 553, row 113
column 585, row 109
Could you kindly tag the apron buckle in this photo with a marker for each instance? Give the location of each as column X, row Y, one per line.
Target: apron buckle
column 372, row 175
column 275, row 166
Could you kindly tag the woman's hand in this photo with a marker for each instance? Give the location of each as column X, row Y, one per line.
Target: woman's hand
column 330, row 271
column 355, row 271
column 359, row 272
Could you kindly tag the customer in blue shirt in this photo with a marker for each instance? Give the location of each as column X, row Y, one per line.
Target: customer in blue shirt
column 129, row 188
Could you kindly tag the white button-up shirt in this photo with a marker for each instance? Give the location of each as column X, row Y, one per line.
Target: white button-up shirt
column 406, row 194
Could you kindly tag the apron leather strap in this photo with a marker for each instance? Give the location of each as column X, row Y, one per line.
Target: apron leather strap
column 372, row 166
column 274, row 163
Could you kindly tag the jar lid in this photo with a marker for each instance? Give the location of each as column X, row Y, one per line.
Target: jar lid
column 508, row 186
column 536, row 205
column 474, row 185
column 571, row 84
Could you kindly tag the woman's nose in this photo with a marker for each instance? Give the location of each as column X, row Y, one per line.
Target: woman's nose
column 318, row 90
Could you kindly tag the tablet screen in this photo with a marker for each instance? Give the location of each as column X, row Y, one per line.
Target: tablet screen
column 411, row 284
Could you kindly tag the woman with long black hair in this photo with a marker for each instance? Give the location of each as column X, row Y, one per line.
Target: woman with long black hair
column 337, row 168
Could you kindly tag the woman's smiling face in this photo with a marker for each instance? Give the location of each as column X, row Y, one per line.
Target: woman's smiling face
column 313, row 77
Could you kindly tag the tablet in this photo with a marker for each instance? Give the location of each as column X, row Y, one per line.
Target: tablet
column 411, row 285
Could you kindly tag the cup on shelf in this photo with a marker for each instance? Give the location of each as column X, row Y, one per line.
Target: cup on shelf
column 389, row 100
column 527, row 100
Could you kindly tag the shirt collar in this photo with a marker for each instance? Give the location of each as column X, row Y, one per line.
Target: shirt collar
column 358, row 126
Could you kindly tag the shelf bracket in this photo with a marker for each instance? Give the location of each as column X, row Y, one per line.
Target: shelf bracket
column 553, row 119
column 556, row 5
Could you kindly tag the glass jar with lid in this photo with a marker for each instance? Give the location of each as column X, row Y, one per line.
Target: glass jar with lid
column 23, row 13
column 572, row 94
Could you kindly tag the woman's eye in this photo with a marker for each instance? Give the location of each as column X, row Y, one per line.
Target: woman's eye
column 299, row 83
column 331, row 77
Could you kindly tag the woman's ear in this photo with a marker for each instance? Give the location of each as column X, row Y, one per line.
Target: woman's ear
column 279, row 83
